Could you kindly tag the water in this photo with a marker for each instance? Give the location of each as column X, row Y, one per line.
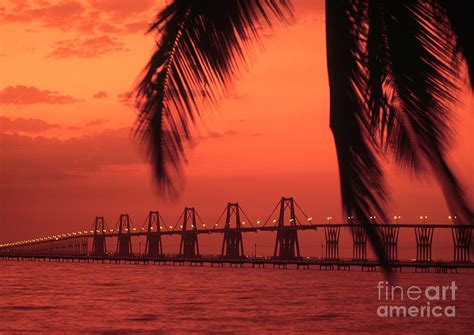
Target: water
column 104, row 298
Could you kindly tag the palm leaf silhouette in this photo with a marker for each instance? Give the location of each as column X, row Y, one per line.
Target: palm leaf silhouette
column 202, row 47
column 393, row 71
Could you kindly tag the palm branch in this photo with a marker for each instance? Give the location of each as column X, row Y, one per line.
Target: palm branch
column 393, row 70
column 202, row 46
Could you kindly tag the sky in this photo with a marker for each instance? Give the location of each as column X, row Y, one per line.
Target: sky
column 65, row 149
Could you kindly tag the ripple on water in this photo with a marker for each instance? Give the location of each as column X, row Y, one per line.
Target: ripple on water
column 145, row 317
column 121, row 300
column 27, row 308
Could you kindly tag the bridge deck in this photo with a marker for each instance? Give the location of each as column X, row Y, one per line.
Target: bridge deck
column 339, row 264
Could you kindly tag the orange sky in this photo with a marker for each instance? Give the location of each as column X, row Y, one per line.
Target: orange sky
column 65, row 150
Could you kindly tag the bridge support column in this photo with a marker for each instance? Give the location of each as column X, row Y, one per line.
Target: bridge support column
column 389, row 237
column 462, row 243
column 359, row 247
column 84, row 245
column 189, row 246
column 286, row 244
column 424, row 239
column 76, row 248
column 154, row 247
column 332, row 242
column 124, row 238
column 232, row 245
column 99, row 246
column 63, row 247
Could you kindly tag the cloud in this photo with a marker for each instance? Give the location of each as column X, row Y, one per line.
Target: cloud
column 123, row 8
column 215, row 134
column 210, row 135
column 54, row 159
column 125, row 98
column 59, row 15
column 100, row 95
column 136, row 27
column 25, row 125
column 87, row 48
column 27, row 95
column 95, row 16
column 94, row 123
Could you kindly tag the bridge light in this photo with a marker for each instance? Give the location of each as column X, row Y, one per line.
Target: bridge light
column 126, row 229
column 151, row 228
column 171, row 227
column 181, row 226
column 111, row 230
column 449, row 217
column 243, row 222
column 274, row 220
column 134, row 229
column 258, row 221
column 309, row 219
column 204, row 225
column 161, row 227
column 215, row 225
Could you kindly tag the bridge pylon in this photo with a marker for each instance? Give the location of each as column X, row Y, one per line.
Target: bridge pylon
column 154, row 246
column 124, row 237
column 232, row 245
column 462, row 243
column 286, row 243
column 424, row 240
column 359, row 243
column 332, row 242
column 99, row 245
column 189, row 246
column 389, row 236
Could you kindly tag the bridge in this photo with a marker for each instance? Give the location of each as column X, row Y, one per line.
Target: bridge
column 287, row 219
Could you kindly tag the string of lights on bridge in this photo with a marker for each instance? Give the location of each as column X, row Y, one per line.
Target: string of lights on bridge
column 87, row 233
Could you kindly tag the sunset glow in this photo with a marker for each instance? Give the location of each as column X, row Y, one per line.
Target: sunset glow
column 66, row 154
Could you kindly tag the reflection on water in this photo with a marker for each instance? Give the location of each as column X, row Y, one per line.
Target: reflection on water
column 65, row 297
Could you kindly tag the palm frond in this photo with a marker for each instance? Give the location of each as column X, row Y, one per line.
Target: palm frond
column 361, row 175
column 460, row 14
column 202, row 47
column 424, row 72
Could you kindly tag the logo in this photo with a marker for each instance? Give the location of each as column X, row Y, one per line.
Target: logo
column 415, row 301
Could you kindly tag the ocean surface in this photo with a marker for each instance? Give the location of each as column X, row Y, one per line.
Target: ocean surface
column 108, row 298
